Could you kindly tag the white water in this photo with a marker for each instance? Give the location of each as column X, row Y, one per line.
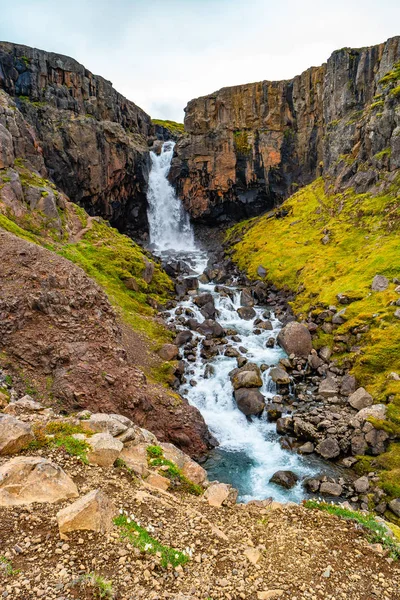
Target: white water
column 249, row 452
column 169, row 224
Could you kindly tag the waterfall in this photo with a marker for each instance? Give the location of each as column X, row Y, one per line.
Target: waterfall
column 169, row 223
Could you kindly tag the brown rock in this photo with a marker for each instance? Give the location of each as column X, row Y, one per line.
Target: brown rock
column 249, row 401
column 94, row 512
column 295, row 338
column 158, row 481
column 169, row 352
column 14, row 435
column 360, row 399
column 104, row 449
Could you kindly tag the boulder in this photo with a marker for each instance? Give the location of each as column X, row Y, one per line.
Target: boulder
column 306, row 448
column 103, row 423
column 94, row 512
column 14, row 435
column 379, row 283
column 360, row 399
column 250, row 401
column 208, row 310
column 284, row 425
column 348, row 385
column 361, row 485
column 183, row 337
column 261, row 271
column 24, row 405
column 247, row 313
column 330, row 489
column 394, row 506
column 158, row 481
column 377, row 411
column 27, row 479
column 190, row 468
column 376, row 440
column 295, row 338
column 246, row 379
column 246, row 299
column 328, row 387
column 135, row 457
column 211, row 328
column 104, row 449
column 328, row 448
column 168, row 352
column 286, row 479
column 312, row 485
column 279, row 376
column 218, row 494
column 203, row 299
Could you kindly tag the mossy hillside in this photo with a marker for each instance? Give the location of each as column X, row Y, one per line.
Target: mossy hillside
column 172, row 126
column 361, row 235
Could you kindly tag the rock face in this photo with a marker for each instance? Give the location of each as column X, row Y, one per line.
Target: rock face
column 248, row 145
column 28, row 479
column 84, row 127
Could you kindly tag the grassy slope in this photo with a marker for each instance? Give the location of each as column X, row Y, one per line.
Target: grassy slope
column 174, row 128
column 364, row 241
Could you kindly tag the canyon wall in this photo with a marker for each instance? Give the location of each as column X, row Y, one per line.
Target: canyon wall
column 94, row 142
column 248, row 147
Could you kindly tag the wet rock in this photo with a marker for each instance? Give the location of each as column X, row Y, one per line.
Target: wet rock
column 27, row 479
column 273, row 413
column 312, row 485
column 379, row 283
column 209, row 371
column 279, row 376
column 295, row 339
column 328, row 448
column 231, row 352
column 246, row 299
column 328, row 488
column 14, row 435
column 270, row 343
column 360, row 399
column 250, row 401
column 211, row 328
column 183, row 337
column 248, row 376
column 286, row 479
column 284, row 425
column 246, row 313
column 168, row 352
column 241, row 361
column 307, row 448
column 94, row 512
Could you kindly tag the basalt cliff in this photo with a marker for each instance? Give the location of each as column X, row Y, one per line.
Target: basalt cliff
column 249, row 147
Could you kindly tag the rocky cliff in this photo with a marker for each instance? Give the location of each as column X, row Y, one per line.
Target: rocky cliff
column 249, row 146
column 89, row 139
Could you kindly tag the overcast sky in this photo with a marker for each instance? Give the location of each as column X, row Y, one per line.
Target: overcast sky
column 162, row 53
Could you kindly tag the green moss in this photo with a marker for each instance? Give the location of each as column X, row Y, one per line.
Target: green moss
column 386, row 152
column 392, row 76
column 241, row 141
column 395, row 91
column 61, row 433
column 172, row 126
column 140, row 538
column 156, row 458
column 376, row 532
column 377, row 104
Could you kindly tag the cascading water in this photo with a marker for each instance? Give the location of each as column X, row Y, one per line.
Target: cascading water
column 169, row 223
column 249, row 452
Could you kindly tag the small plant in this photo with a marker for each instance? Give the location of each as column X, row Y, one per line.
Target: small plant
column 101, row 587
column 156, row 458
column 61, row 432
column 7, row 568
column 140, row 538
column 376, row 532
column 154, row 452
column 121, row 464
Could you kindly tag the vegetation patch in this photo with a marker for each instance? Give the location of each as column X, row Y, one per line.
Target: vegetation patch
column 139, row 537
column 172, row 126
column 156, row 458
column 101, row 587
column 7, row 568
column 59, row 434
column 241, row 141
column 376, row 532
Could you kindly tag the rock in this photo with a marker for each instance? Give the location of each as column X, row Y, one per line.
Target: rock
column 104, row 449
column 295, row 339
column 376, row 439
column 328, row 488
column 189, row 467
column 158, row 481
column 24, row 404
column 104, row 423
column 360, row 399
column 325, row 353
column 284, row 425
column 203, row 299
column 218, row 494
column 279, row 376
column 14, row 435
column 27, row 479
column 169, row 352
column 377, row 411
column 348, row 297
column 211, row 328
column 328, row 448
column 253, row 555
column 379, row 283
column 286, row 479
column 246, row 312
column 269, row 594
column 396, row 313
column 246, row 299
column 306, row 448
column 328, row 387
column 361, row 485
column 246, row 379
column 135, row 457
column 312, row 485
column 94, row 512
column 132, row 284
column 394, row 506
column 261, row 271
column 348, row 385
column 358, row 444
column 183, row 337
column 250, row 401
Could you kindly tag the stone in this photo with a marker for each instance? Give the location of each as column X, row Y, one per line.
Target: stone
column 247, row 313
column 261, row 271
column 183, row 337
column 104, row 423
column 23, row 405
column 189, row 467
column 27, row 479
column 158, row 481
column 104, row 449
column 14, row 435
column 377, row 411
column 250, row 401
column 348, row 385
column 279, row 376
column 169, row 352
column 284, row 425
column 246, row 299
column 328, row 448
column 361, row 485
column 394, row 506
column 396, row 313
column 135, row 457
column 312, row 485
column 269, row 594
column 379, row 283
column 358, row 444
column 306, row 448
column 94, row 512
column 328, row 488
column 295, row 339
column 286, row 479
column 217, row 494
column 211, row 328
column 246, row 379
column 360, row 399
column 325, row 353
column 376, row 440
column 253, row 555
column 328, row 387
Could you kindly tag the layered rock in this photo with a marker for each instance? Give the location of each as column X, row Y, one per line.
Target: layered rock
column 249, row 146
column 91, row 141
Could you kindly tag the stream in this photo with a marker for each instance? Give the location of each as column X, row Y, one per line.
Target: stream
column 249, row 452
